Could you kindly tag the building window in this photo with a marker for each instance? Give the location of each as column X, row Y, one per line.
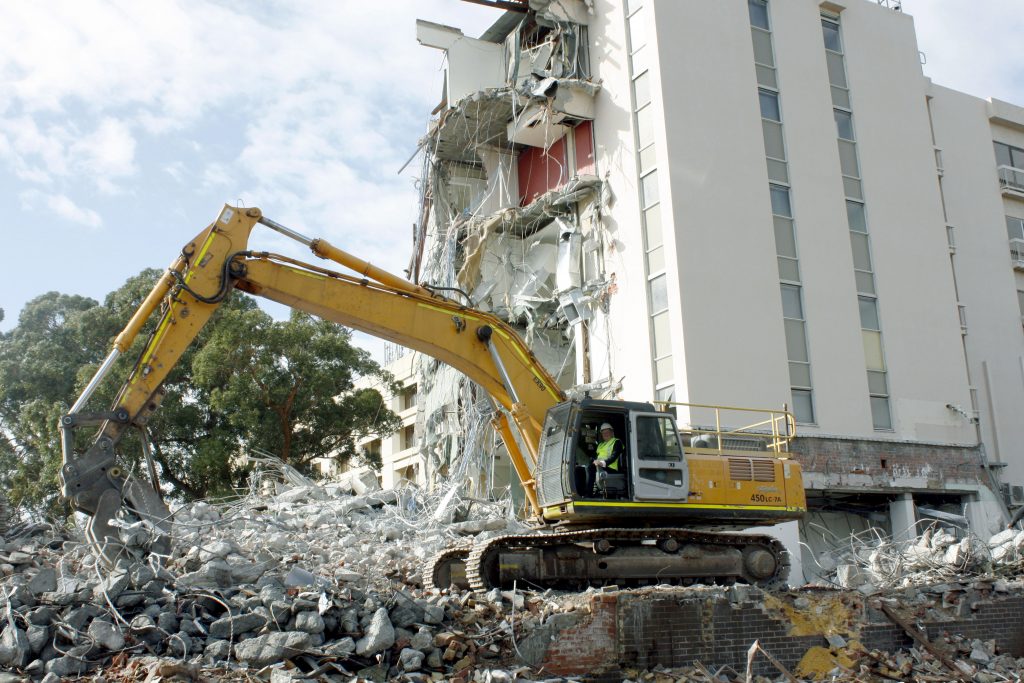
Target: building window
column 758, row 13
column 1015, row 228
column 784, row 227
column 1007, row 155
column 860, row 243
column 830, row 30
column 769, row 105
column 651, row 225
column 408, row 397
column 371, row 449
column 1020, row 302
column 844, row 124
column 409, row 437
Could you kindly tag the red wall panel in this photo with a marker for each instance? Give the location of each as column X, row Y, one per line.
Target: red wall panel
column 540, row 171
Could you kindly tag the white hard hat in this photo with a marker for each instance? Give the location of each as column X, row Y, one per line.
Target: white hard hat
column 606, row 426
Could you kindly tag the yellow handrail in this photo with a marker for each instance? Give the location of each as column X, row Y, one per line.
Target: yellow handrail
column 779, row 426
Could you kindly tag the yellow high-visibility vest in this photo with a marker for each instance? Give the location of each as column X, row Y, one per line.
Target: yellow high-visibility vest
column 605, row 450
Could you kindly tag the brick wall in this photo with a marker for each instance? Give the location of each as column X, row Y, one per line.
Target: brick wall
column 676, row 627
column 590, row 646
column 883, row 464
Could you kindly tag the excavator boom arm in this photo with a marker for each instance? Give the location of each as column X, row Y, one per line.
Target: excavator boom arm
column 217, row 261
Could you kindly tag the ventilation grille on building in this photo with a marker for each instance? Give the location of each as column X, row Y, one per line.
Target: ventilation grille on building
column 1013, row 495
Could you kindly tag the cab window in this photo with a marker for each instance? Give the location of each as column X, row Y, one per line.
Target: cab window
column 656, row 439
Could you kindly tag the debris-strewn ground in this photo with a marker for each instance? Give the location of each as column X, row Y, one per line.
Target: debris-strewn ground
column 315, row 582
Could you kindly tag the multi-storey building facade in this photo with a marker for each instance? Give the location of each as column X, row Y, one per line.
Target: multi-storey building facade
column 746, row 202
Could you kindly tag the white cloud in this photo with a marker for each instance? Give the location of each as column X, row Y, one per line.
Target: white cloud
column 217, row 175
column 39, row 152
column 107, row 151
column 62, row 206
column 972, row 46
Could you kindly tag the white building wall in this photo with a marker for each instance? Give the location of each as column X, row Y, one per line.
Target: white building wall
column 730, row 347
column 823, row 241
column 619, row 344
column 986, row 281
column 915, row 286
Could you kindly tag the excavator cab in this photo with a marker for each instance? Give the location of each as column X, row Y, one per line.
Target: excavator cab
column 651, row 468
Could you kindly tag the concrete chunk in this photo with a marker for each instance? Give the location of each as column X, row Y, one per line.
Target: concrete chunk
column 234, row 626
column 45, row 581
column 380, row 634
column 15, row 649
column 272, row 648
column 106, row 635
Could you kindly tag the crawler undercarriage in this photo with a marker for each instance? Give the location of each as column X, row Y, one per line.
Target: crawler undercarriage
column 625, row 557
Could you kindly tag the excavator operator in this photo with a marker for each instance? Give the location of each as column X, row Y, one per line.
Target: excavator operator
column 609, row 453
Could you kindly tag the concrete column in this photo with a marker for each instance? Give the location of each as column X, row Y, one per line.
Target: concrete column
column 789, row 534
column 903, row 517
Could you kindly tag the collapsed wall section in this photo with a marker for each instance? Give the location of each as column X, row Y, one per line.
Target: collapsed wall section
column 511, row 217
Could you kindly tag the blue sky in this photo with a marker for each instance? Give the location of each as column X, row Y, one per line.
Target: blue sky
column 125, row 125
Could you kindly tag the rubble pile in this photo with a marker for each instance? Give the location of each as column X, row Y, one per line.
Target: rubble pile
column 323, row 579
column 973, row 660
column 309, row 582
column 875, row 562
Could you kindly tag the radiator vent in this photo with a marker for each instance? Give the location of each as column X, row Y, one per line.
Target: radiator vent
column 747, row 469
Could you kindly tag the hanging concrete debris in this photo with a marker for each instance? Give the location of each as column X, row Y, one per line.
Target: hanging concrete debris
column 511, row 215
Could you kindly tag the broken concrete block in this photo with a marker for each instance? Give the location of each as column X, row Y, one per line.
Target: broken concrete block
column 341, row 648
column 836, row 641
column 1005, row 536
column 15, row 649
column 298, row 577
column 215, row 550
column 111, row 587
column 106, row 635
column 850, row 576
column 272, row 648
column 410, row 659
column 433, row 614
column 380, row 634
column 423, row 640
column 38, row 637
column 365, row 483
column 45, row 581
column 217, row 650
column 74, row 663
column 310, row 622
column 233, row 626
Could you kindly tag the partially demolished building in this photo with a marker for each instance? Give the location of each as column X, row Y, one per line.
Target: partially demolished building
column 758, row 203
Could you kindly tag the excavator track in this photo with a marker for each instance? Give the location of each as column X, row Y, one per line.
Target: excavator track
column 447, row 567
column 627, row 557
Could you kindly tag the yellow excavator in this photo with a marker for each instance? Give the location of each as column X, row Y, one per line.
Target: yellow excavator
column 673, row 511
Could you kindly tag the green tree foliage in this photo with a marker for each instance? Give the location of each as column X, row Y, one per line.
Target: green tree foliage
column 198, row 433
column 289, row 386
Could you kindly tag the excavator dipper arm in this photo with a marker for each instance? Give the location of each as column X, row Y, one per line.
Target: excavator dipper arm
column 374, row 301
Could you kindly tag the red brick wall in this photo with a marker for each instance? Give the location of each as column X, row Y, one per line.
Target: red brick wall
column 676, row 627
column 886, row 462
column 590, row 646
